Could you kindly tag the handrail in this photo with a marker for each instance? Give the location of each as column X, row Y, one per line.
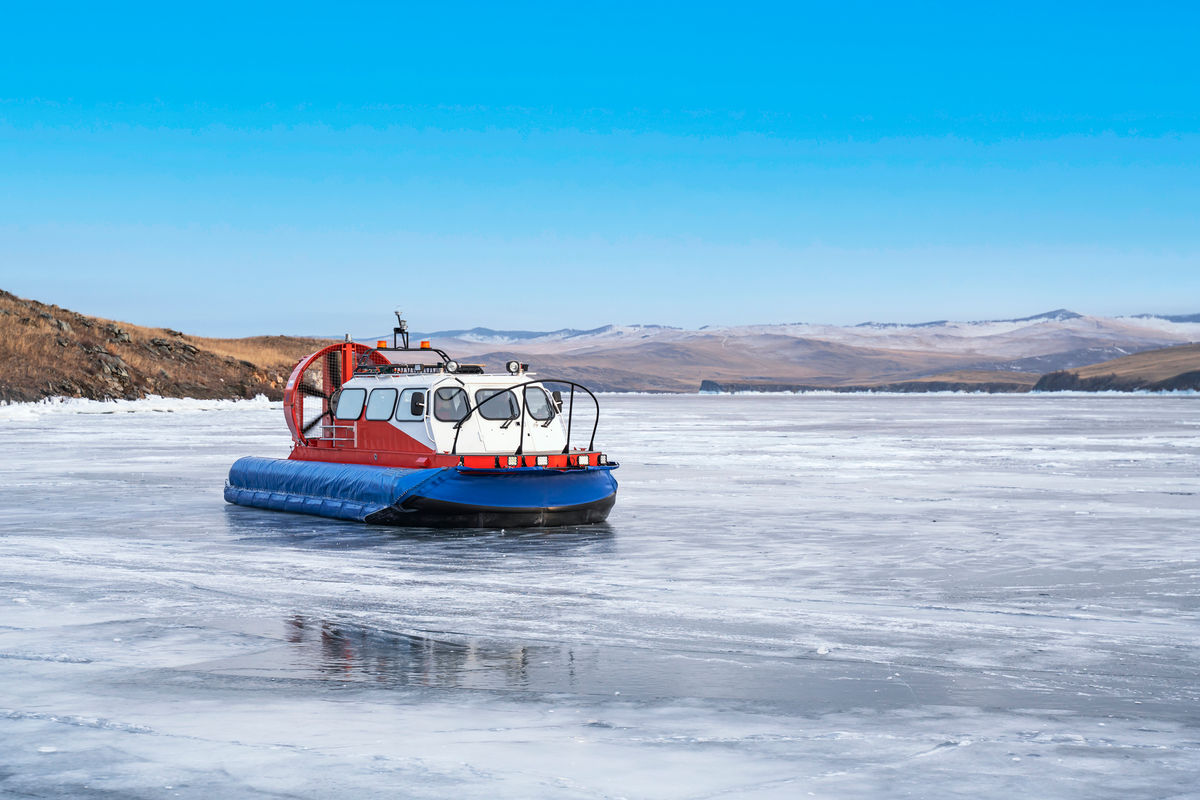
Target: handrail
column 521, row 401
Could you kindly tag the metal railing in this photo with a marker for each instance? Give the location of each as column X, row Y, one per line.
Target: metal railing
column 353, row 439
column 521, row 402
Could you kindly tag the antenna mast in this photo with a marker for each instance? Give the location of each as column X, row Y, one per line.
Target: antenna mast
column 401, row 330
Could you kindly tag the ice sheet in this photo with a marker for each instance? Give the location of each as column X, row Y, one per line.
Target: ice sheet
column 831, row 596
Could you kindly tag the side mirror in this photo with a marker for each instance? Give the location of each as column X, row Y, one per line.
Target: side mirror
column 416, row 406
column 557, row 395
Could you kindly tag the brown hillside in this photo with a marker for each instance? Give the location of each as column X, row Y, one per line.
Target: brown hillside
column 1150, row 365
column 990, row 381
column 980, row 376
column 48, row 351
column 1169, row 368
column 682, row 366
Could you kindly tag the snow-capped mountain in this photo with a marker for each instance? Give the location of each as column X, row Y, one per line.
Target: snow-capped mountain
column 1058, row 331
column 570, row 335
column 659, row 357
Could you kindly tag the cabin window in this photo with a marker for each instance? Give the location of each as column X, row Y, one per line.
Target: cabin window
column 539, row 405
column 350, row 403
column 497, row 404
column 450, row 404
column 406, row 409
column 382, row 404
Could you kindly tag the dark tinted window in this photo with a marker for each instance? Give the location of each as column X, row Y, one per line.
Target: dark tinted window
column 497, row 404
column 450, row 405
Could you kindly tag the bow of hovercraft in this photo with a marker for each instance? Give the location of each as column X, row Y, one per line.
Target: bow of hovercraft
column 408, row 436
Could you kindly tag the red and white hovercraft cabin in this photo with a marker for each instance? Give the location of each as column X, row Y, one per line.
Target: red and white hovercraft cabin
column 405, row 435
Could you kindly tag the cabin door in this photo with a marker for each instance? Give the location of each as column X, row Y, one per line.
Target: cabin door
column 497, row 419
column 445, row 407
column 544, row 431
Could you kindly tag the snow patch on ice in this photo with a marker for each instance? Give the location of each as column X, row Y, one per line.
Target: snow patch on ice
column 834, row 393
column 75, row 405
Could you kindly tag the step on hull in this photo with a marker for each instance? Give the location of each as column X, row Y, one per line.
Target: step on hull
column 440, row 497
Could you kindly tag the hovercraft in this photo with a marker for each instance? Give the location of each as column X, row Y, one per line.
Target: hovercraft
column 408, row 436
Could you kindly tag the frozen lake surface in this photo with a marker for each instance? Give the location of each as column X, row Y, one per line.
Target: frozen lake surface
column 830, row 596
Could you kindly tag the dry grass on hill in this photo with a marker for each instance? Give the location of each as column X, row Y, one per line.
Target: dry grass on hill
column 1166, row 369
column 46, row 350
column 1151, row 365
column 967, row 376
column 685, row 366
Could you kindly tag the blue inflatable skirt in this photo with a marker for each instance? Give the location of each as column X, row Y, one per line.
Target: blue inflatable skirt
column 454, row 497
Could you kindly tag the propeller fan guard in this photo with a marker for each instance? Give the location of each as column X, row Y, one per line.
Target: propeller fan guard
column 313, row 382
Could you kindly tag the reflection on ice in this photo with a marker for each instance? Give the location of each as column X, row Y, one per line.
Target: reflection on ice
column 352, row 652
column 325, row 650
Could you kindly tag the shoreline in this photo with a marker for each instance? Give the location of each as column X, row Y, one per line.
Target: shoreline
column 164, row 404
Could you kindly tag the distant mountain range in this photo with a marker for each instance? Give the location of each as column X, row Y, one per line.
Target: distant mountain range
column 1175, row 318
column 46, row 350
column 1155, row 327
column 665, row 358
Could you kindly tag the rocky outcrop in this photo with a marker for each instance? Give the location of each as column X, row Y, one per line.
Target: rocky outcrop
column 1066, row 381
column 50, row 351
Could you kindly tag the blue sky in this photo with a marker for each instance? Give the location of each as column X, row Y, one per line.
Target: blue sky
column 305, row 169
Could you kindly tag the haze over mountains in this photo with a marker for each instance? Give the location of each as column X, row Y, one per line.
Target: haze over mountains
column 663, row 358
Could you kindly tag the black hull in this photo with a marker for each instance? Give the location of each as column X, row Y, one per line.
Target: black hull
column 424, row 512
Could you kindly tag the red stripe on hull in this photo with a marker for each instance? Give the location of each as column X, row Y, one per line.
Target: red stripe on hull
column 379, row 458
